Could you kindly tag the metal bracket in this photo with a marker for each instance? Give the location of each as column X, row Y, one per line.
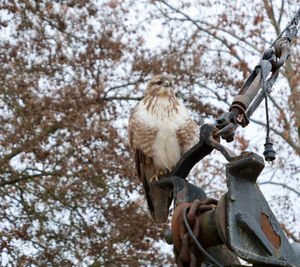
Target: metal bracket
column 253, row 232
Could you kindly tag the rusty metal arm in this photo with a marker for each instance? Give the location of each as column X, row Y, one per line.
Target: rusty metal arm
column 251, row 95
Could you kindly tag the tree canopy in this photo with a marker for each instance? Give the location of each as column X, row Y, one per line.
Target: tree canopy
column 70, row 73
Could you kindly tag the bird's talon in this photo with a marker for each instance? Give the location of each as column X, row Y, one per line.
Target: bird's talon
column 154, row 178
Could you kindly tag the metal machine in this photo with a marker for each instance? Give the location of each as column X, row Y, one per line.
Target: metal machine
column 210, row 232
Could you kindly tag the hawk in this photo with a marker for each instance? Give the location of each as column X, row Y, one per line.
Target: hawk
column 160, row 131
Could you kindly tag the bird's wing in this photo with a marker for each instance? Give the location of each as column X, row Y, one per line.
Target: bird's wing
column 158, row 199
column 141, row 139
column 187, row 135
column 141, row 166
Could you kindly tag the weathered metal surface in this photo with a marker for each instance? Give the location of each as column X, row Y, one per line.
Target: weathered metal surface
column 267, row 228
column 252, row 229
column 202, row 220
column 221, row 219
column 296, row 248
column 249, row 90
column 260, row 96
column 182, row 190
column 195, row 154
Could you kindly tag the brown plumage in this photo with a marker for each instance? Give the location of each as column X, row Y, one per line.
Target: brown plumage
column 160, row 131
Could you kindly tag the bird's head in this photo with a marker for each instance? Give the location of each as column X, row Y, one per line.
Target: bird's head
column 160, row 85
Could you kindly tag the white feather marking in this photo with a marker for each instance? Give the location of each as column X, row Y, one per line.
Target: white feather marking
column 165, row 118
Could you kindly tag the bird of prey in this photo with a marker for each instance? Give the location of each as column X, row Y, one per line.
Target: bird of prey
column 160, row 131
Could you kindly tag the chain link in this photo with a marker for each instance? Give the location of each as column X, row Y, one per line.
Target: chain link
column 189, row 254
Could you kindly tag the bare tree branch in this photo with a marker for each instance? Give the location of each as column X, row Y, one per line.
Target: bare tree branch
column 289, row 234
column 222, row 40
column 282, row 135
column 270, row 13
column 282, row 185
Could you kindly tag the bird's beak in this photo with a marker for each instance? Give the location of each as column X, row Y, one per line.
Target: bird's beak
column 167, row 83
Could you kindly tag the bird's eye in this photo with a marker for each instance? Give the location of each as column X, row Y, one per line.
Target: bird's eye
column 159, row 83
